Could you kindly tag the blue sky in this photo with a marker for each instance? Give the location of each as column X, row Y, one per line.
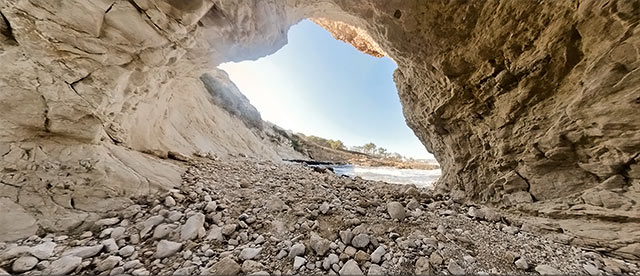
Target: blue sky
column 321, row 86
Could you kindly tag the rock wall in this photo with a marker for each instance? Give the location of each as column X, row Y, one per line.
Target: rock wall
column 97, row 99
column 521, row 102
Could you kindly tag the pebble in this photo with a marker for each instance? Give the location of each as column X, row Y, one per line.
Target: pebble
column 126, row 251
column 109, row 263
column 377, row 254
column 547, row 270
column 297, row 249
column 226, row 266
column 107, row 222
column 43, row 251
column 24, row 263
column 190, row 229
column 229, row 229
column 319, row 244
column 117, row 271
column 396, row 210
column 591, row 269
column 376, row 270
column 422, row 266
column 211, row 206
column 117, row 232
column 346, row 236
column 522, row 264
column 324, row 208
column 360, row 241
column 167, row 248
column 298, row 262
column 215, row 233
column 169, row 201
column 455, row 269
column 84, row 251
column 63, row 266
column 350, row 268
column 249, row 253
column 110, row 245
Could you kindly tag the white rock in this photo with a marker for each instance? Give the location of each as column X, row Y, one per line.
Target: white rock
column 226, row 266
column 298, row 262
column 84, row 251
column 376, row 270
column 469, row 259
column 249, row 253
column 324, row 208
column 110, row 245
column 126, row 251
column 455, row 269
column 396, row 210
column 190, row 228
column 522, row 264
column 63, row 266
column 107, row 221
column 281, row 254
column 377, row 254
column 117, row 232
column 109, row 263
column 117, row 271
column 350, row 268
column 24, row 263
column 132, row 264
column 211, row 206
column 215, row 234
column 297, row 249
column 169, row 201
column 346, row 236
column 43, row 251
column 422, row 266
column 360, row 241
column 591, row 269
column 547, row 270
column 167, row 248
column 319, row 244
column 163, row 230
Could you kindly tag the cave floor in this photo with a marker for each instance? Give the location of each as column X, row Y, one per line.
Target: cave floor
column 244, row 216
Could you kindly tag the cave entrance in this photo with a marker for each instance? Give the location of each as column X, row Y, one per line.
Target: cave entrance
column 341, row 101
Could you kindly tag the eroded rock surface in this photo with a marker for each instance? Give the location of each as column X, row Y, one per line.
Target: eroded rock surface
column 532, row 105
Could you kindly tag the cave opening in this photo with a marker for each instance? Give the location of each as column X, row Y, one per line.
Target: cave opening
column 340, row 98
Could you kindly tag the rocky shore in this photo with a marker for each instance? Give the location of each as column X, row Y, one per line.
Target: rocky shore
column 242, row 216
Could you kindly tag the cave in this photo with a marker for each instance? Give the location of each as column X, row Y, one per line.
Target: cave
column 532, row 107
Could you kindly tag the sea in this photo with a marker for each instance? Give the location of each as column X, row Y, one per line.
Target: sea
column 420, row 178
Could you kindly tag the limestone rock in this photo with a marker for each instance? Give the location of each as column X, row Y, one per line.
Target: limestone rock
column 298, row 262
column 84, row 251
column 422, row 266
column 63, row 266
column 167, row 248
column 396, row 210
column 319, row 244
column 350, row 268
column 189, row 230
column 15, row 222
column 547, row 270
column 24, row 263
column 226, row 266
column 377, row 254
column 249, row 253
column 43, row 251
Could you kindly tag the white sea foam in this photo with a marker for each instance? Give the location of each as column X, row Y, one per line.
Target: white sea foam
column 421, row 178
